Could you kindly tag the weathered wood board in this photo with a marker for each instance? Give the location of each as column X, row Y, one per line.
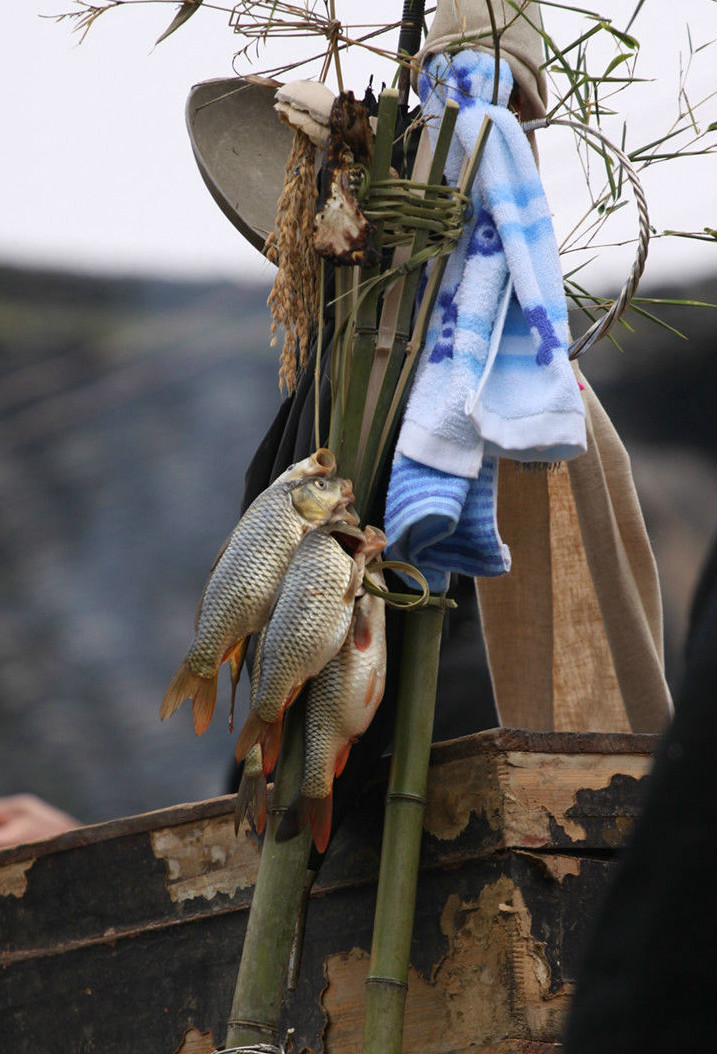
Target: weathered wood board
column 124, row 938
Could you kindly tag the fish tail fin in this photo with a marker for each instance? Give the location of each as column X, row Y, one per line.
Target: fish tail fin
column 270, row 739
column 251, row 795
column 320, row 816
column 204, row 699
column 188, row 685
column 249, row 735
column 294, row 819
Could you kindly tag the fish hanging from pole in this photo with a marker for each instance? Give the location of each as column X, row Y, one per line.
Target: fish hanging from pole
column 340, row 705
column 308, row 625
column 247, row 574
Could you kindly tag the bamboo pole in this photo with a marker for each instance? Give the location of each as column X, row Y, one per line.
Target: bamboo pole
column 387, row 982
column 367, row 473
column 275, row 907
column 364, row 336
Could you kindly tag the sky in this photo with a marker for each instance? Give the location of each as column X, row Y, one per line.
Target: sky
column 98, row 175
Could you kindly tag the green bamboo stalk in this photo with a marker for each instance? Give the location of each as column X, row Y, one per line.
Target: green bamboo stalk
column 413, row 349
column 343, row 277
column 275, row 906
column 364, row 338
column 387, row 983
column 366, row 474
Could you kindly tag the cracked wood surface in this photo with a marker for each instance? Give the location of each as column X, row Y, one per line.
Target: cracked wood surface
column 149, row 912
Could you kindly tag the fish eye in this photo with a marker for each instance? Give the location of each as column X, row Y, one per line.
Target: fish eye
column 320, row 483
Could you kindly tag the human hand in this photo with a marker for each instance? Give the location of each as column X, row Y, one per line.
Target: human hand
column 26, row 818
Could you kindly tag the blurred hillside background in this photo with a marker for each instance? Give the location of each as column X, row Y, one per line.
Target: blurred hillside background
column 130, row 410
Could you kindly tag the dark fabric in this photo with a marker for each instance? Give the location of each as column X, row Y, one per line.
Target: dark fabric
column 649, row 979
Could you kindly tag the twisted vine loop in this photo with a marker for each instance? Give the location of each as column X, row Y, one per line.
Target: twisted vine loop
column 603, row 325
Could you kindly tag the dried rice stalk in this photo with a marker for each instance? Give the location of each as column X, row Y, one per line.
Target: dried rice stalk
column 294, row 298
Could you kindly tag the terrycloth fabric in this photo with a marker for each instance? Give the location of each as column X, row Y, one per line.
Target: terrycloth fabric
column 494, row 378
column 436, row 517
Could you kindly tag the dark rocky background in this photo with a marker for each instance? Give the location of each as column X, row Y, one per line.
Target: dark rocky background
column 130, row 409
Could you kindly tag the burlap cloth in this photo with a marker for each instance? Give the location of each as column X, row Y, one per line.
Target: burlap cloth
column 574, row 632
column 459, row 24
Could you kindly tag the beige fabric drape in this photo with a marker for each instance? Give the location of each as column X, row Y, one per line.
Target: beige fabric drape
column 459, row 24
column 574, row 632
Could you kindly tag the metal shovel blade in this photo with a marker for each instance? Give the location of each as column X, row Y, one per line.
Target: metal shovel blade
column 241, row 148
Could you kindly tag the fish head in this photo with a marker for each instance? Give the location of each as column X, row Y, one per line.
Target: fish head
column 319, row 499
column 321, row 463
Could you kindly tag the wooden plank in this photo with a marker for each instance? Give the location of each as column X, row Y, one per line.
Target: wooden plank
column 493, row 962
column 126, row 936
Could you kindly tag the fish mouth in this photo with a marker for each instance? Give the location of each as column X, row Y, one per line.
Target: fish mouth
column 323, row 462
column 342, row 515
column 374, row 543
column 348, row 535
column 348, row 498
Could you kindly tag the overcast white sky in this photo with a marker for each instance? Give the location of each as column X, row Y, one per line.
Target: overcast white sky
column 97, row 171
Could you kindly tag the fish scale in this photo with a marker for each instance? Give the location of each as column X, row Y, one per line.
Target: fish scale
column 310, row 620
column 309, row 623
column 259, row 561
column 340, row 704
column 246, row 577
column 337, row 710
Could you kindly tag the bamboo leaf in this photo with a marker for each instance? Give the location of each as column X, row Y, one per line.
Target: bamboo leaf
column 708, row 234
column 624, row 38
column 658, row 321
column 634, row 14
column 615, row 62
column 184, row 13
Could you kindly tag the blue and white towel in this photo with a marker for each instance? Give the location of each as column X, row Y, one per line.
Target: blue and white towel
column 494, row 377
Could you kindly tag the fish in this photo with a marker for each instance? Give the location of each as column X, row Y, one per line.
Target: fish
column 321, row 463
column 307, row 627
column 247, row 574
column 341, row 702
column 251, row 795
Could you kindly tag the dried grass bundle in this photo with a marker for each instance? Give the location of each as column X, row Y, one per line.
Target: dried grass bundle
column 294, row 298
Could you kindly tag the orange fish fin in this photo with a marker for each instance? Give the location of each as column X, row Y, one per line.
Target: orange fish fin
column 181, row 687
column 204, row 700
column 188, row 685
column 362, row 630
column 342, row 758
column 320, row 815
column 270, row 739
column 294, row 819
column 235, row 655
column 249, row 735
column 251, row 794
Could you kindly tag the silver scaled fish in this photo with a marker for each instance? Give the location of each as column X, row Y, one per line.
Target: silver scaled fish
column 340, row 705
column 308, row 625
column 246, row 576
